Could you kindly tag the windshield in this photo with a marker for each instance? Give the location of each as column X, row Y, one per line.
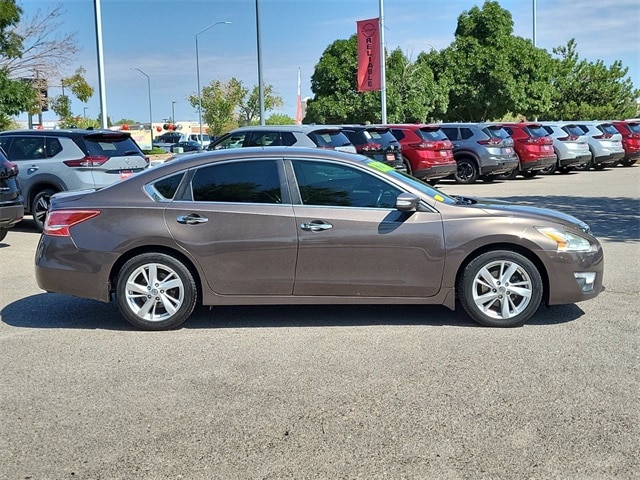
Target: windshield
column 415, row 183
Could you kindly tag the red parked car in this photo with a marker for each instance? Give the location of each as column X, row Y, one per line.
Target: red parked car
column 426, row 150
column 534, row 147
column 630, row 131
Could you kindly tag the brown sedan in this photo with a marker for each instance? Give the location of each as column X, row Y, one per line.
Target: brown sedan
column 308, row 226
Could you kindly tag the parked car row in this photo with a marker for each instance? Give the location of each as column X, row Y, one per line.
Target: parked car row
column 466, row 152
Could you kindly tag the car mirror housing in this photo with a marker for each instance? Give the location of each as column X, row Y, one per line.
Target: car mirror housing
column 407, row 202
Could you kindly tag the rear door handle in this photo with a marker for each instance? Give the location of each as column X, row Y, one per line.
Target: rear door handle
column 315, row 226
column 192, row 219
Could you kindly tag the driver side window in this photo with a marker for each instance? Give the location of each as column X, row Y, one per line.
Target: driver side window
column 331, row 184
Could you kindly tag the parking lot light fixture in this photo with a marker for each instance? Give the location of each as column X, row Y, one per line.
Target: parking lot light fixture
column 150, row 114
column 198, row 74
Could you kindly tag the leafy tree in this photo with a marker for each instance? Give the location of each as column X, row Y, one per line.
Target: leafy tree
column 490, row 72
column 334, row 83
column 280, row 119
column 249, row 107
column 61, row 104
column 15, row 96
column 589, row 91
column 219, row 103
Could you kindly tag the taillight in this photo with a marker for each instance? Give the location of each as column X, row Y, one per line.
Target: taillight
column 490, row 141
column 635, row 136
column 368, row 147
column 423, row 145
column 59, row 222
column 569, row 138
column 604, row 136
column 88, row 161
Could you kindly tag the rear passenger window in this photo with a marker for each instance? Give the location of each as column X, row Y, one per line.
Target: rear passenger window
column 466, row 133
column 52, row 147
column 399, row 134
column 288, row 138
column 451, row 133
column 165, row 188
column 243, row 182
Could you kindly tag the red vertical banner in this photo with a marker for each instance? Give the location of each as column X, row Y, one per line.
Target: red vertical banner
column 368, row 55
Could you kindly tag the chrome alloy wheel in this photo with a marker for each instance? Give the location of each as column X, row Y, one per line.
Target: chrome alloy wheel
column 154, row 292
column 502, row 289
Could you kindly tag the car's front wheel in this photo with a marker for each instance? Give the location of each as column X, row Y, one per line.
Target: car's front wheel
column 40, row 207
column 156, row 291
column 500, row 288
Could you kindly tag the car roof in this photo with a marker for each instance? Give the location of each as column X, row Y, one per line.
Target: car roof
column 71, row 133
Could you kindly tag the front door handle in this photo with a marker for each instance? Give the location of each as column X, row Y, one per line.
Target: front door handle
column 316, row 226
column 192, row 219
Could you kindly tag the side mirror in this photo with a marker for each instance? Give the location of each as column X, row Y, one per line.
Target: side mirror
column 407, row 202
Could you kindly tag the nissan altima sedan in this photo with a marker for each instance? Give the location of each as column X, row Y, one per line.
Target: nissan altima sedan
column 286, row 225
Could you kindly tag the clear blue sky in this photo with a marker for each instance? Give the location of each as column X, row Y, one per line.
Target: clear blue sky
column 158, row 37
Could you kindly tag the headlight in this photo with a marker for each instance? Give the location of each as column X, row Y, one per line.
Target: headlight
column 566, row 241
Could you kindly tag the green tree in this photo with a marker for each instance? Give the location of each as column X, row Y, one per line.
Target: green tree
column 15, row 96
column 61, row 104
column 589, row 90
column 280, row 119
column 489, row 71
column 249, row 107
column 219, row 103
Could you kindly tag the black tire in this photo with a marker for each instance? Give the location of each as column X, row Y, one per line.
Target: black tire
column 433, row 181
column 407, row 164
column 486, row 289
column 583, row 167
column 565, row 170
column 488, row 178
column 3, row 233
column 142, row 299
column 40, row 206
column 529, row 174
column 467, row 172
column 627, row 162
column 550, row 170
column 509, row 175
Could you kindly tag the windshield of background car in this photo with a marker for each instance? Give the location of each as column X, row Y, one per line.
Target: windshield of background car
column 536, row 131
column 431, row 134
column 413, row 182
column 496, row 132
column 329, row 138
column 608, row 128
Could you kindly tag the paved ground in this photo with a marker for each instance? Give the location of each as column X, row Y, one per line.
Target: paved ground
column 332, row 392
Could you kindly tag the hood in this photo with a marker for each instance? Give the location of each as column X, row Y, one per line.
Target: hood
column 492, row 205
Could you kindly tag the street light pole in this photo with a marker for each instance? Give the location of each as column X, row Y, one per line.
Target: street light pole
column 198, row 75
column 173, row 112
column 150, row 114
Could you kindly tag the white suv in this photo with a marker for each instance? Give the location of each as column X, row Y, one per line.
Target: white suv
column 605, row 143
column 52, row 161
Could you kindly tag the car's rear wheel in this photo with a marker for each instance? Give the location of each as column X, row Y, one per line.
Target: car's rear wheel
column 407, row 165
column 3, row 233
column 627, row 162
column 550, row 170
column 156, row 291
column 529, row 174
column 467, row 171
column 509, row 175
column 40, row 206
column 500, row 288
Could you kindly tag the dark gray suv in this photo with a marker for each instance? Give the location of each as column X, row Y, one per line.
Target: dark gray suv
column 11, row 208
column 52, row 161
column 481, row 150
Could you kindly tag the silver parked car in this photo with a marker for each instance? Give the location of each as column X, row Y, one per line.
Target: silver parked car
column 569, row 144
column 605, row 144
column 267, row 226
column 52, row 161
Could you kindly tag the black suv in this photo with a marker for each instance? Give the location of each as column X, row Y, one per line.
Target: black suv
column 52, row 161
column 11, row 208
column 376, row 142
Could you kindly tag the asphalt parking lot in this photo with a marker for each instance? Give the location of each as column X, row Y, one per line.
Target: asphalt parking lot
column 332, row 392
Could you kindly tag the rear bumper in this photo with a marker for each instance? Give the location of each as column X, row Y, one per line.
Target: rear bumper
column 500, row 167
column 573, row 161
column 11, row 214
column 609, row 159
column 436, row 171
column 537, row 164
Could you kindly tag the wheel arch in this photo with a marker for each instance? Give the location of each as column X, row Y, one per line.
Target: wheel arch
column 117, row 266
column 525, row 252
column 41, row 184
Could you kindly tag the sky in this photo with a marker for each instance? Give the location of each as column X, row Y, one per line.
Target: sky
column 159, row 38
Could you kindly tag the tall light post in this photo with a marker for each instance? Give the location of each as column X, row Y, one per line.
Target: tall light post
column 173, row 112
column 150, row 114
column 198, row 75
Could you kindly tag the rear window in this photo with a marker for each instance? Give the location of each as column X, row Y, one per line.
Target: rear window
column 432, row 134
column 573, row 130
column 634, row 127
column 608, row 128
column 496, row 132
column 329, row 138
column 110, row 145
column 536, row 131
